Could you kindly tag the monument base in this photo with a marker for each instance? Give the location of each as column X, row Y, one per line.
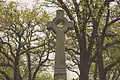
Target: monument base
column 60, row 76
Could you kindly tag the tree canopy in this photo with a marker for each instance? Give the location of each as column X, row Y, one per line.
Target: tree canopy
column 23, row 42
column 92, row 48
column 96, row 25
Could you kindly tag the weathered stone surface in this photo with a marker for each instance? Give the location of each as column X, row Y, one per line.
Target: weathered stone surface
column 60, row 62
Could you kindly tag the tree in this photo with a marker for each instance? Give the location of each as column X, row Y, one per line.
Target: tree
column 24, row 47
column 94, row 23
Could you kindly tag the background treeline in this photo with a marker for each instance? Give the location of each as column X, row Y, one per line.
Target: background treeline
column 92, row 49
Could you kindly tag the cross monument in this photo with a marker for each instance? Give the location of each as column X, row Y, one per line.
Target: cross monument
column 60, row 61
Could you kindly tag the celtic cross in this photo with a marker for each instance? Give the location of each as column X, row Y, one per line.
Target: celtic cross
column 60, row 61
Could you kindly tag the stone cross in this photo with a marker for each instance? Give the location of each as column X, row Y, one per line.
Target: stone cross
column 60, row 62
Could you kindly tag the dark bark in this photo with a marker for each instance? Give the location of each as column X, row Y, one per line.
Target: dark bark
column 29, row 66
column 84, row 58
column 16, row 63
column 100, row 42
column 102, row 75
column 16, row 68
column 84, row 67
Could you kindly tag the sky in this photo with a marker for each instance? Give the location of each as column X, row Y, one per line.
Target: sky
column 29, row 4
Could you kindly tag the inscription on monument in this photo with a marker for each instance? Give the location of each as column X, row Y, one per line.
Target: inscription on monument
column 60, row 25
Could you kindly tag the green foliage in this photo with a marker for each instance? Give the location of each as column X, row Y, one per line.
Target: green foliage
column 96, row 25
column 23, row 34
column 12, row 15
column 26, row 28
column 44, row 76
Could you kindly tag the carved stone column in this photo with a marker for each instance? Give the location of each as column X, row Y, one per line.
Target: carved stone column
column 60, row 61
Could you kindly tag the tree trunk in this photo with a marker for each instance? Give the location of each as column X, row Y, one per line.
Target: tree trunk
column 84, row 59
column 16, row 63
column 102, row 75
column 84, row 67
column 16, row 68
column 29, row 66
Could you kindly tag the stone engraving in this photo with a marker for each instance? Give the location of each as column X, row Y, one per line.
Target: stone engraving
column 60, row 62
